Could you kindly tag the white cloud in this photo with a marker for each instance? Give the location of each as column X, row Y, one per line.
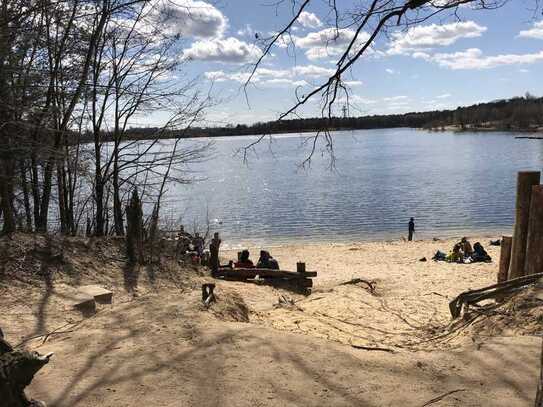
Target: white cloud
column 246, row 31
column 228, row 50
column 326, row 42
column 296, row 76
column 361, row 100
column 444, row 96
column 353, row 83
column 390, row 71
column 419, row 38
column 190, row 18
column 535, row 32
column 309, row 20
column 313, row 71
column 396, row 98
column 473, row 58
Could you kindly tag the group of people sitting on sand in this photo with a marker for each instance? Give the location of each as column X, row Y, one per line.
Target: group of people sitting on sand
column 266, row 261
column 187, row 243
column 463, row 252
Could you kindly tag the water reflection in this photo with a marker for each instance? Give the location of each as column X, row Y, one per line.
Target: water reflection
column 451, row 183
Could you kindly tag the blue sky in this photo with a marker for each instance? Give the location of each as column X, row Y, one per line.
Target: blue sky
column 442, row 63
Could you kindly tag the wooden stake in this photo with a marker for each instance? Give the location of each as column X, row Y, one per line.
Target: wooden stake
column 300, row 267
column 534, row 243
column 518, row 249
column 505, row 258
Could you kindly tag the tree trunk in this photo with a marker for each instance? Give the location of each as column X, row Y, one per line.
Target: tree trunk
column 26, row 196
column 117, row 205
column 6, row 200
column 134, row 238
column 518, row 250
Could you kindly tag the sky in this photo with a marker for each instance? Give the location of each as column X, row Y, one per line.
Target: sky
column 448, row 61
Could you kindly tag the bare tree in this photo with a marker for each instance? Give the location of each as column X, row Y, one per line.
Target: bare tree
column 368, row 20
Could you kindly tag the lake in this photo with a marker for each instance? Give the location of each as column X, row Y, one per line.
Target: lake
column 451, row 183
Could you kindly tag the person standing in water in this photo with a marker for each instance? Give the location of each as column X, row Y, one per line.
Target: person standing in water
column 411, row 229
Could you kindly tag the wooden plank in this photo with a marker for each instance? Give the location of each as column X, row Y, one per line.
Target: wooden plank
column 525, row 181
column 264, row 273
column 306, row 282
column 100, row 294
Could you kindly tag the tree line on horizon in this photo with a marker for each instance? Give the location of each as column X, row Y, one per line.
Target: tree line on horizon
column 522, row 113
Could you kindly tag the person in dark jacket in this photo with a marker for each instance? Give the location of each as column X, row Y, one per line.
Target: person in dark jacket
column 244, row 261
column 480, row 254
column 266, row 261
column 411, row 227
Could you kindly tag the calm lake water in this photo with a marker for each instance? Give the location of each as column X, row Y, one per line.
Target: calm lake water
column 453, row 184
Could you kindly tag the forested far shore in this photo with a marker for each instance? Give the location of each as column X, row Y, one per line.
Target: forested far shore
column 515, row 114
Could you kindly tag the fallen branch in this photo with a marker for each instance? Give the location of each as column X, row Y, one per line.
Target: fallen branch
column 496, row 290
column 355, row 281
column 439, row 398
column 376, row 348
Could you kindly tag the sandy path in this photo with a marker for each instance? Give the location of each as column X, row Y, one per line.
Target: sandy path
column 164, row 349
column 411, row 299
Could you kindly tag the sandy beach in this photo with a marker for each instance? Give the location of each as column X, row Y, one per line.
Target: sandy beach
column 343, row 345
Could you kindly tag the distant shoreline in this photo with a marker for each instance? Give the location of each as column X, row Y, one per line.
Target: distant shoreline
column 489, row 129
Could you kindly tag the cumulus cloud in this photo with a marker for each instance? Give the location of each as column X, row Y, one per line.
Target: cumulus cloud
column 190, row 18
column 246, row 31
column 309, row 20
column 327, row 42
column 473, row 58
column 296, row 76
column 228, row 50
column 420, row 38
column 535, row 32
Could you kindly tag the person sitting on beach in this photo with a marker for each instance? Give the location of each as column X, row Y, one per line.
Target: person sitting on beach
column 456, row 256
column 244, row 262
column 466, row 247
column 266, row 261
column 480, row 254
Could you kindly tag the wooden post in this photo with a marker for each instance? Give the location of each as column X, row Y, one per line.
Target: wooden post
column 534, row 244
column 300, row 267
column 525, row 182
column 214, row 253
column 505, row 258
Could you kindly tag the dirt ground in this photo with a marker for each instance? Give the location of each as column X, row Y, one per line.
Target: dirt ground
column 343, row 345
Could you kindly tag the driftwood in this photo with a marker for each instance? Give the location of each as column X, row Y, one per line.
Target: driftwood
column 439, row 398
column 472, row 297
column 376, row 348
column 354, row 281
